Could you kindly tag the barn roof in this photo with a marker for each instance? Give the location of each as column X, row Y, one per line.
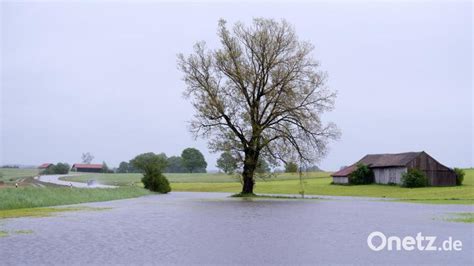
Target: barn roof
column 345, row 171
column 386, row 160
column 44, row 166
column 380, row 160
column 89, row 166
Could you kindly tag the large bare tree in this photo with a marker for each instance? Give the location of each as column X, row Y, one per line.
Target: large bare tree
column 261, row 94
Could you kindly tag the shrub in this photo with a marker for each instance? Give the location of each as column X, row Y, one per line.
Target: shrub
column 152, row 166
column 414, row 178
column 459, row 176
column 61, row 168
column 156, row 182
column 362, row 175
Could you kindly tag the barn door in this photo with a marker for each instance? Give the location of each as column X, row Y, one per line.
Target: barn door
column 392, row 175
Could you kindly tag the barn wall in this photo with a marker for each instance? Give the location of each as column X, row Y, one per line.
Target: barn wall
column 340, row 179
column 438, row 174
column 388, row 175
column 89, row 170
column 441, row 178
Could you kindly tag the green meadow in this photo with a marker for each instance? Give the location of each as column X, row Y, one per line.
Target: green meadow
column 134, row 178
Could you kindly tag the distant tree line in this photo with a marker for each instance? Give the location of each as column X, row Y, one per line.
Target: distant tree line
column 10, row 166
column 190, row 161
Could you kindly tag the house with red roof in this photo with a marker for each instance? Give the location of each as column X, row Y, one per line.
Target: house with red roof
column 90, row 168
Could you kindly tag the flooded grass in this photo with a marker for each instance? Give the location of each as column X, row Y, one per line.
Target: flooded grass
column 449, row 201
column 3, row 234
column 43, row 212
column 31, row 197
column 263, row 196
column 23, row 232
column 462, row 217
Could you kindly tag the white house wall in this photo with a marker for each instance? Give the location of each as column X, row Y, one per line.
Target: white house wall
column 389, row 174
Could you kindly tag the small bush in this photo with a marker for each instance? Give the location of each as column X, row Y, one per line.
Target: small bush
column 156, row 182
column 459, row 176
column 414, row 178
column 362, row 175
column 152, row 166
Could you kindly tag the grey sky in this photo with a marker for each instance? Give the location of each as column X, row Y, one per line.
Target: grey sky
column 102, row 77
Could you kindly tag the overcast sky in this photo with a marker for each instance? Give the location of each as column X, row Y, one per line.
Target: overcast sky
column 102, row 77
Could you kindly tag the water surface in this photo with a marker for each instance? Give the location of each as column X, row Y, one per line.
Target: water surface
column 210, row 228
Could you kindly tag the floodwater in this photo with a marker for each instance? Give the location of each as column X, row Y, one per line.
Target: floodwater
column 210, row 228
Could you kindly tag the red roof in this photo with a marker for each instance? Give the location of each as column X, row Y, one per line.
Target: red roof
column 90, row 166
column 345, row 171
column 44, row 166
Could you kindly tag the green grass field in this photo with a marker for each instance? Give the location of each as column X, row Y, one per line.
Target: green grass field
column 315, row 184
column 31, row 197
column 128, row 179
column 10, row 175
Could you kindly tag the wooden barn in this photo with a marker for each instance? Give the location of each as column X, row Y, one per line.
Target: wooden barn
column 90, row 168
column 388, row 168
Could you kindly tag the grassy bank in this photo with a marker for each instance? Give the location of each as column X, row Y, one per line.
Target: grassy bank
column 31, row 197
column 10, row 175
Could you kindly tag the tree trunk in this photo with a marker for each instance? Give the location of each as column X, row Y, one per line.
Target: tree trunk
column 250, row 163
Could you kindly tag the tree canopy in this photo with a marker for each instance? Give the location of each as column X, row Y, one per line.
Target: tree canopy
column 227, row 163
column 193, row 160
column 87, row 157
column 175, row 165
column 123, row 167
